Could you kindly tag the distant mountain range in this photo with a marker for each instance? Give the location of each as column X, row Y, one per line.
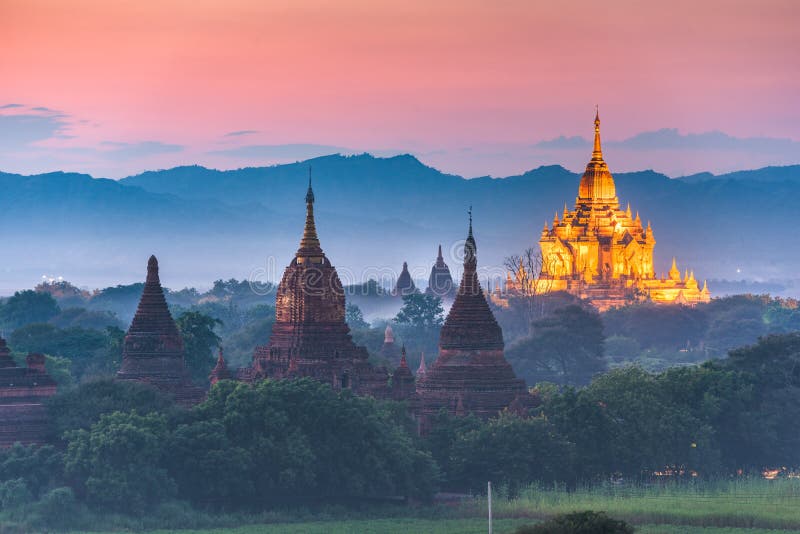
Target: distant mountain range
column 372, row 214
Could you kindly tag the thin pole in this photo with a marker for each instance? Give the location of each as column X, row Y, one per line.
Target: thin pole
column 489, row 485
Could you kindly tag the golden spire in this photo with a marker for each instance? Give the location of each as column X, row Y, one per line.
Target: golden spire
column 674, row 273
column 309, row 244
column 597, row 152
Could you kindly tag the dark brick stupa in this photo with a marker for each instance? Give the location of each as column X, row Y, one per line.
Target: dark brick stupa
column 440, row 282
column 153, row 348
column 403, row 388
column 405, row 285
column 471, row 373
column 23, row 391
column 220, row 371
column 310, row 337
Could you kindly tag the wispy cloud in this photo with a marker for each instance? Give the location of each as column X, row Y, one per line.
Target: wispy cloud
column 21, row 131
column 10, row 106
column 239, row 133
column 563, row 142
column 142, row 149
column 672, row 139
column 288, row 151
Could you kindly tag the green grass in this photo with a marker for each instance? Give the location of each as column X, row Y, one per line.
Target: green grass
column 750, row 503
column 373, row 526
column 731, row 507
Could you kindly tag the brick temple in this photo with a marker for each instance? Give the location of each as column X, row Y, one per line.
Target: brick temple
column 153, row 351
column 440, row 282
column 471, row 373
column 23, row 391
column 405, row 284
column 310, row 337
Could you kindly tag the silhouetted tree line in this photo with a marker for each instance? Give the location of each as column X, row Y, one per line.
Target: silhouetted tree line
column 123, row 447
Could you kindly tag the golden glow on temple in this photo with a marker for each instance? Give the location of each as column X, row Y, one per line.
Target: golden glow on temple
column 601, row 252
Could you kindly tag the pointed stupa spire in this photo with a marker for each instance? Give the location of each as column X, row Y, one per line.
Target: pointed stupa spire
column 628, row 210
column 403, row 361
column 422, row 369
column 470, row 247
column 220, row 371
column 597, row 151
column 309, row 244
column 674, row 273
column 388, row 334
column 566, row 212
column 439, row 257
column 555, row 219
column 152, row 314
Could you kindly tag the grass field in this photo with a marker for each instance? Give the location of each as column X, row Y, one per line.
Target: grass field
column 735, row 507
column 753, row 503
column 445, row 526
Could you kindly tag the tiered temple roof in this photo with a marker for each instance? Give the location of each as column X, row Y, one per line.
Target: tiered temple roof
column 23, row 391
column 310, row 337
column 153, row 348
column 471, row 373
column 440, row 282
column 405, row 285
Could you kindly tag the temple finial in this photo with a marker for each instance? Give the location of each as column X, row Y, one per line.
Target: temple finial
column 440, row 257
column 597, row 152
column 309, row 244
column 310, row 192
column 470, row 247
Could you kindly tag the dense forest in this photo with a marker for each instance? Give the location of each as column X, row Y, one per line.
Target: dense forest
column 636, row 393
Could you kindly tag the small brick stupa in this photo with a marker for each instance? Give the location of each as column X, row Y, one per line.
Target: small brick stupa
column 471, row 373
column 153, row 348
column 405, row 285
column 403, row 380
column 440, row 282
column 310, row 337
column 389, row 350
column 220, row 371
column 23, row 391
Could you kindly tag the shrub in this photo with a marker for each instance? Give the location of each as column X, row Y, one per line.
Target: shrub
column 587, row 522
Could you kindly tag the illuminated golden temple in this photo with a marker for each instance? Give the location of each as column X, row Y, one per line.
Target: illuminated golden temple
column 601, row 252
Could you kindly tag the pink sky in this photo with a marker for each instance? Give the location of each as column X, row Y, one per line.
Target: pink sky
column 467, row 86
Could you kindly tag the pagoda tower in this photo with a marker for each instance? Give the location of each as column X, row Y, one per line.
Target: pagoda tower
column 471, row 374
column 23, row 392
column 152, row 351
column 310, row 334
column 405, row 285
column 440, row 282
column 600, row 252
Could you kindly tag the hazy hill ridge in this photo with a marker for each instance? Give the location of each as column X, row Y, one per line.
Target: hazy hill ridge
column 206, row 224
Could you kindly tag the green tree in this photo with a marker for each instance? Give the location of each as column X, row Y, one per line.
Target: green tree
column 306, row 439
column 512, row 452
column 81, row 407
column 117, row 462
column 421, row 311
column 199, row 340
column 207, row 467
column 566, row 347
column 27, row 307
column 354, row 317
